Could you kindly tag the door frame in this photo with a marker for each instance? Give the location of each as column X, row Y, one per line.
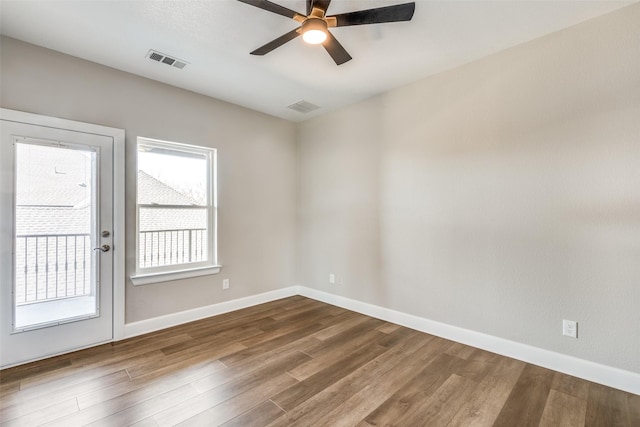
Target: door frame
column 118, row 242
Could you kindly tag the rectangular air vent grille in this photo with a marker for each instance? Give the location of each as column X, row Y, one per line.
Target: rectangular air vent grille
column 303, row 107
column 166, row 59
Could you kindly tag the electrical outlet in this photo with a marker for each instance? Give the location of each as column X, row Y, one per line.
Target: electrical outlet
column 225, row 283
column 332, row 278
column 570, row 328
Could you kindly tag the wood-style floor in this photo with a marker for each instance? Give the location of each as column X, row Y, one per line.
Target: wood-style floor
column 299, row 362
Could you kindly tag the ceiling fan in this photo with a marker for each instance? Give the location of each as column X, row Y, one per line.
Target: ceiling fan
column 314, row 26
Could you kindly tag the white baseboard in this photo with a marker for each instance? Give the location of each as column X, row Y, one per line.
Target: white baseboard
column 161, row 322
column 591, row 371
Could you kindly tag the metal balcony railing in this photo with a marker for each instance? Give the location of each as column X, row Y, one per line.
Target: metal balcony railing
column 171, row 247
column 52, row 266
column 57, row 266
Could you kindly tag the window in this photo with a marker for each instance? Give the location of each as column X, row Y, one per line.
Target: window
column 176, row 211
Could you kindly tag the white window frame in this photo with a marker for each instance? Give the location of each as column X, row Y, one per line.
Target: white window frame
column 149, row 275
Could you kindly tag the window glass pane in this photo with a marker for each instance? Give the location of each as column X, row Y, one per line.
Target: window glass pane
column 171, row 177
column 54, row 261
column 162, row 218
column 172, row 236
column 175, row 210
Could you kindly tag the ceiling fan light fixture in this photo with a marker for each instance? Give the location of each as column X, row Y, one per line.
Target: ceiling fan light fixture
column 314, row 31
column 314, row 26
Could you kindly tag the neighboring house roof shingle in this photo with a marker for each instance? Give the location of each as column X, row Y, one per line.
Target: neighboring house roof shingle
column 156, row 219
column 154, row 191
column 40, row 220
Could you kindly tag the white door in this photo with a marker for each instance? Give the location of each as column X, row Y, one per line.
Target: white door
column 56, row 235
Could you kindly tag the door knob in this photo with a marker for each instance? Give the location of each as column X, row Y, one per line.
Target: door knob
column 103, row 248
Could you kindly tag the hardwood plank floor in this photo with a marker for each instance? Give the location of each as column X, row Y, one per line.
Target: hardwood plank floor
column 300, row 362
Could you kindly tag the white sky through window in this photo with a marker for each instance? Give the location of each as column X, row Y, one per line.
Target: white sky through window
column 188, row 175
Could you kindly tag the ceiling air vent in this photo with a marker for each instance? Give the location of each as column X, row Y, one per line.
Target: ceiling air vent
column 303, row 107
column 165, row 59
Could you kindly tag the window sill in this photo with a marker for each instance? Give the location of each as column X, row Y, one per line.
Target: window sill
column 167, row 276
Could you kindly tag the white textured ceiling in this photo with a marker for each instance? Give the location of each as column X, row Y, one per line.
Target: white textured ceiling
column 216, row 36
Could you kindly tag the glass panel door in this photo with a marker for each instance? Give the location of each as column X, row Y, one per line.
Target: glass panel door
column 56, row 226
column 55, row 218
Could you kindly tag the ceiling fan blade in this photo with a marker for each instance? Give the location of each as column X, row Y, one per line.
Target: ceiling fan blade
column 277, row 42
column 271, row 7
column 320, row 4
column 396, row 13
column 309, row 6
column 335, row 49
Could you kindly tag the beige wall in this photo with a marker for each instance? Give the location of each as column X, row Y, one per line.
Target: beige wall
column 256, row 157
column 500, row 197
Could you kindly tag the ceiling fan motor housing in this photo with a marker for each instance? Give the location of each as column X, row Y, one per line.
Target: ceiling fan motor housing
column 314, row 30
